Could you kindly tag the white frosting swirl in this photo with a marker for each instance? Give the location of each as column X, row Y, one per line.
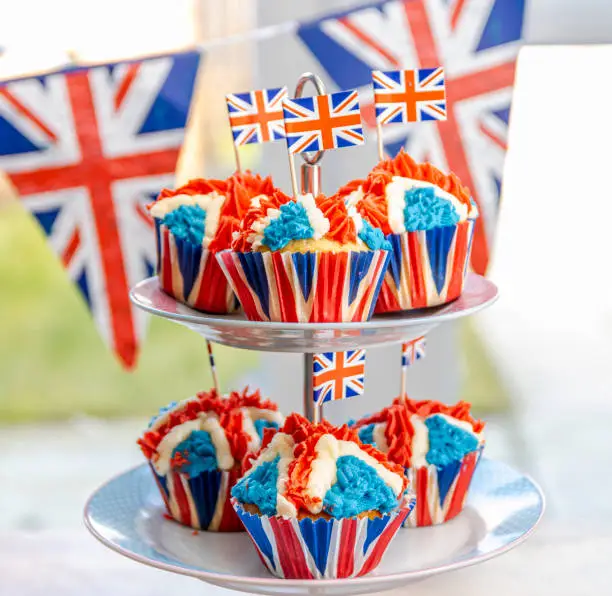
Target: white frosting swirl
column 396, row 200
column 323, row 472
column 210, row 203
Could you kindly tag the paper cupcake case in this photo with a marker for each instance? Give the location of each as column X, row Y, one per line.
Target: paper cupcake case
column 322, row 549
column 426, row 268
column 440, row 492
column 308, row 287
column 202, row 502
column 192, row 275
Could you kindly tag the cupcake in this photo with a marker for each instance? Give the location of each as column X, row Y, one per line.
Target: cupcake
column 192, row 224
column 318, row 503
column 439, row 446
column 428, row 217
column 196, row 449
column 309, row 260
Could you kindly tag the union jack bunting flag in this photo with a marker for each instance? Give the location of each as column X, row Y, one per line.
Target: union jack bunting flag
column 323, row 122
column 257, row 116
column 86, row 149
column 338, row 375
column 477, row 41
column 413, row 350
column 402, row 96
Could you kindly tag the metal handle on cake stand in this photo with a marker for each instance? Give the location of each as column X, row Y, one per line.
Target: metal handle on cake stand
column 310, row 182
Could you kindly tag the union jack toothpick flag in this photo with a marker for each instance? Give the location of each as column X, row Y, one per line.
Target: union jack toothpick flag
column 404, row 96
column 257, row 116
column 413, row 350
column 338, row 375
column 87, row 149
column 478, row 42
column 323, row 122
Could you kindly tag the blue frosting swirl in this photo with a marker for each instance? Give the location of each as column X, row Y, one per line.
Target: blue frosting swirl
column 291, row 224
column 187, row 223
column 259, row 487
column 262, row 424
column 366, row 434
column 200, row 453
column 373, row 237
column 358, row 488
column 447, row 443
column 424, row 210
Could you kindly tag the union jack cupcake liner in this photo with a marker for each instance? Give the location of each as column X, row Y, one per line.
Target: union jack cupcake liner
column 292, row 548
column 426, row 268
column 202, row 502
column 441, row 492
column 192, row 275
column 312, row 287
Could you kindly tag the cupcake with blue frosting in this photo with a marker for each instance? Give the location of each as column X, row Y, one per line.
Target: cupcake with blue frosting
column 439, row 447
column 428, row 218
column 310, row 259
column 318, row 503
column 196, row 449
column 193, row 223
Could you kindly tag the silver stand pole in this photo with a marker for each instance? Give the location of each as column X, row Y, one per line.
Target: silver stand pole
column 310, row 178
column 311, row 411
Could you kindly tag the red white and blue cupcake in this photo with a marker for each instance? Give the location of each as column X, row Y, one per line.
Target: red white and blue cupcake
column 428, row 217
column 196, row 448
column 308, row 260
column 192, row 224
column 318, row 503
column 439, row 446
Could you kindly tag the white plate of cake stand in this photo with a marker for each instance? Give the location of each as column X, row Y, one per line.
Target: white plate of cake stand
column 503, row 508
column 127, row 515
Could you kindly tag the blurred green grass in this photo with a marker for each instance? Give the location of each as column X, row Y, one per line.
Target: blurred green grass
column 53, row 363
column 481, row 386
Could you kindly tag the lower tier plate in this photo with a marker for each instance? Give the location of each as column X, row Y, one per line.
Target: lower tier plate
column 127, row 515
column 235, row 330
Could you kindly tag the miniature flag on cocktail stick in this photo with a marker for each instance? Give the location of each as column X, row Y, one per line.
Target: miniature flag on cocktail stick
column 412, row 351
column 321, row 122
column 256, row 117
column 338, row 375
column 402, row 96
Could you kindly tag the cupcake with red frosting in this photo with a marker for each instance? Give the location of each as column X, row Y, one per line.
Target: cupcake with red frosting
column 192, row 224
column 428, row 217
column 439, row 446
column 318, row 503
column 309, row 259
column 196, row 449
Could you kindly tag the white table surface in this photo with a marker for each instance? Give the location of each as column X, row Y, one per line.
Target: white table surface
column 70, row 563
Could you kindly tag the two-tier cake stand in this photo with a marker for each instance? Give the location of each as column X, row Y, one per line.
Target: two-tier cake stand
column 127, row 514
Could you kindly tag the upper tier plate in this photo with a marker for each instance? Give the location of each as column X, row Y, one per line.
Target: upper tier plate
column 503, row 508
column 236, row 331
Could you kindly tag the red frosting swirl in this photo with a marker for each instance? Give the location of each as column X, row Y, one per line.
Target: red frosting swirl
column 341, row 226
column 238, row 190
column 399, row 431
column 228, row 411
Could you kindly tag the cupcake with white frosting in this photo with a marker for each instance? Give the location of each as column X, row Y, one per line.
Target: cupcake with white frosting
column 439, row 446
column 196, row 449
column 318, row 503
column 309, row 259
column 428, row 218
column 192, row 224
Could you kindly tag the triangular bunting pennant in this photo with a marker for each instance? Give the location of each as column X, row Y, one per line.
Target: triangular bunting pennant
column 477, row 44
column 86, row 149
